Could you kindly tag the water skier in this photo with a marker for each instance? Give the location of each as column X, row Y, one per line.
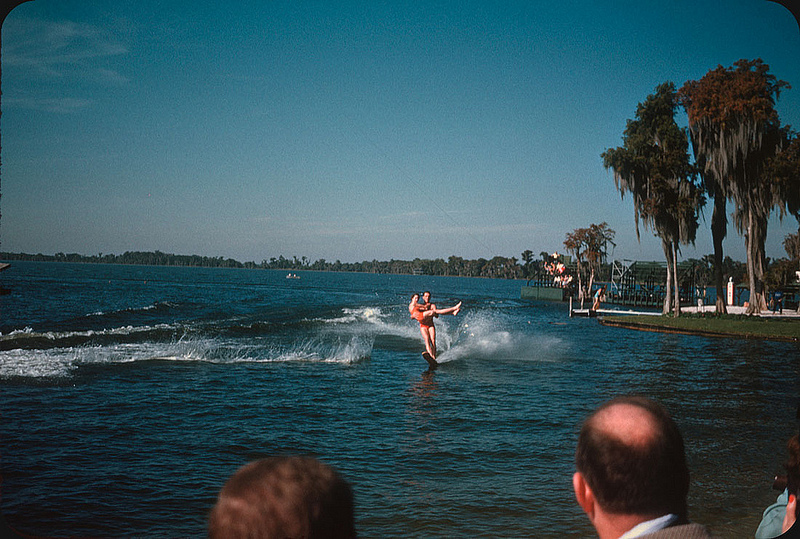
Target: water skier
column 424, row 313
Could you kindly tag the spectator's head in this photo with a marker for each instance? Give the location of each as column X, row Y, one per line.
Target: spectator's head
column 284, row 497
column 631, row 465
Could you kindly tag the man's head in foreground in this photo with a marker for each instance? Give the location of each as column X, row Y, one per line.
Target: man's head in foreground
column 631, row 466
column 284, row 497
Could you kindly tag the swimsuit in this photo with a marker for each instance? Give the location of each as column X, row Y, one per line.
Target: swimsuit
column 418, row 315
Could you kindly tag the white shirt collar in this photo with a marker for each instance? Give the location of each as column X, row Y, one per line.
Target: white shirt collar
column 650, row 526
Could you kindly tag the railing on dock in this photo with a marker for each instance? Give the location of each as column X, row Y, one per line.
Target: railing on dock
column 643, row 283
column 639, row 284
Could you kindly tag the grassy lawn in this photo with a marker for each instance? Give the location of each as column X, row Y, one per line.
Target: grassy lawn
column 752, row 327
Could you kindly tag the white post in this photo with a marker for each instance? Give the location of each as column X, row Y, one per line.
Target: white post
column 730, row 291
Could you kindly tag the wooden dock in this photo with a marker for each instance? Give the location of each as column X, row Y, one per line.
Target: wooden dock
column 588, row 313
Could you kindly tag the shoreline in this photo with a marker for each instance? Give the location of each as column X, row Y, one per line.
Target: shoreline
column 764, row 326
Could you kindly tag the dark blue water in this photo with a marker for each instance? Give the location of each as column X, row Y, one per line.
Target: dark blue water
column 129, row 394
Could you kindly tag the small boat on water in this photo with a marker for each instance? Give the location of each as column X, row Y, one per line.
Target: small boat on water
column 293, row 276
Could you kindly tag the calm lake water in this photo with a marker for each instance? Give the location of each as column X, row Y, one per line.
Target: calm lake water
column 129, row 394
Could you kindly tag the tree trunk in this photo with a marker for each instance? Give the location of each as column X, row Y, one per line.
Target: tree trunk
column 755, row 268
column 675, row 276
column 668, row 292
column 751, row 278
column 760, row 224
column 719, row 222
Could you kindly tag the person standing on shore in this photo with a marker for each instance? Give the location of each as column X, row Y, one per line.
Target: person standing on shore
column 777, row 297
column 424, row 313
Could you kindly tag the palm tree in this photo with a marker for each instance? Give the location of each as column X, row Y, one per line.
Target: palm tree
column 575, row 244
column 735, row 134
column 527, row 257
column 653, row 166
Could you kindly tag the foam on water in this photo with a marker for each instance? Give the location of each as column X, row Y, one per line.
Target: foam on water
column 489, row 335
column 486, row 333
column 28, row 335
column 372, row 321
column 351, row 351
column 62, row 362
column 361, row 314
column 346, row 339
column 131, row 310
column 36, row 363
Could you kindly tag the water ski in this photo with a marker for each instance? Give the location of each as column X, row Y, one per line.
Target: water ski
column 431, row 362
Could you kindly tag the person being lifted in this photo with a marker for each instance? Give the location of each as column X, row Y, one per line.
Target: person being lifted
column 424, row 313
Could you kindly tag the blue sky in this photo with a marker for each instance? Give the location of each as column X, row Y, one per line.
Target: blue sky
column 348, row 130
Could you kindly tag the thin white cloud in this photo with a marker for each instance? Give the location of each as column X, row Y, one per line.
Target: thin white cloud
column 39, row 51
column 402, row 217
column 60, row 105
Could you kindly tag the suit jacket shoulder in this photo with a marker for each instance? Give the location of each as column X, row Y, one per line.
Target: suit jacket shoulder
column 682, row 531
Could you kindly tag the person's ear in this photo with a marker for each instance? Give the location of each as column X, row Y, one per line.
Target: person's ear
column 583, row 494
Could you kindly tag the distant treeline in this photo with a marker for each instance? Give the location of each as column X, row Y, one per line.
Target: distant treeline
column 497, row 267
column 156, row 258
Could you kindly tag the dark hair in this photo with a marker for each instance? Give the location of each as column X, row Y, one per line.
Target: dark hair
column 651, row 478
column 284, row 497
